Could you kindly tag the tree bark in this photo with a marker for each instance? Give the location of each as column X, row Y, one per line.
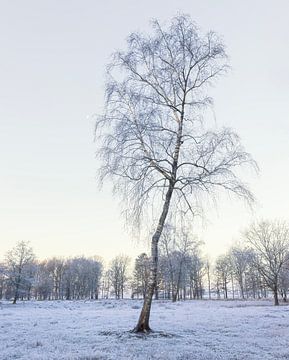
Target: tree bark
column 143, row 322
column 242, row 289
column 209, row 284
column 276, row 301
column 16, row 294
column 15, row 297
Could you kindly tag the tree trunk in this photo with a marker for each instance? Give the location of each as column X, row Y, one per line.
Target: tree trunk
column 276, row 301
column 143, row 322
column 233, row 289
column 16, row 294
column 156, row 292
column 242, row 290
column 225, row 289
column 15, row 298
column 209, row 283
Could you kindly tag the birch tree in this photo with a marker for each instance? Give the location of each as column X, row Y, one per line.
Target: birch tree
column 154, row 143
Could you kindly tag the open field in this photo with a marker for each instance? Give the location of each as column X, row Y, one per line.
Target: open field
column 185, row 330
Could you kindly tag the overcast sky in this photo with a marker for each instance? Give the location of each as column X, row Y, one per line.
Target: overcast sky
column 53, row 57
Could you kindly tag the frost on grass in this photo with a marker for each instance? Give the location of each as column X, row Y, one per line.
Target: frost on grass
column 101, row 330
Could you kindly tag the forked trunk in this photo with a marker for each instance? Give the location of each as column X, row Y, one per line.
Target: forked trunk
column 143, row 322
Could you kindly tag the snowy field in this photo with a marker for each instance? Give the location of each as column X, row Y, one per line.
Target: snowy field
column 185, row 330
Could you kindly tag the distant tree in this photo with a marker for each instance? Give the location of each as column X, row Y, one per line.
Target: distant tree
column 153, row 142
column 19, row 263
column 284, row 281
column 56, row 267
column 141, row 275
column 177, row 246
column 196, row 273
column 82, row 278
column 118, row 272
column 2, row 280
column 270, row 242
column 207, row 266
column 95, row 275
column 105, row 284
column 240, row 260
column 43, row 282
column 223, row 270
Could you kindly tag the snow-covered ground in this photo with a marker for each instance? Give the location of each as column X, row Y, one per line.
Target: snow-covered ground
column 185, row 330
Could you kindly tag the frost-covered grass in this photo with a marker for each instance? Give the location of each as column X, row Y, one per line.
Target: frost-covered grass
column 185, row 330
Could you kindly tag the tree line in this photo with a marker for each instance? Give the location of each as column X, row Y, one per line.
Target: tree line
column 257, row 267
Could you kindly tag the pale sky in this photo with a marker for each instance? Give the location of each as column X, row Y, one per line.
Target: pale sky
column 52, row 63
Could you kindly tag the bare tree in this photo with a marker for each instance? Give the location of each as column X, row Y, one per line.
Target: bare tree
column 223, row 270
column 208, row 273
column 81, row 278
column 270, row 243
column 43, row 282
column 240, row 260
column 154, row 144
column 2, row 280
column 56, row 267
column 105, row 285
column 18, row 264
column 197, row 271
column 175, row 247
column 284, row 281
column 119, row 274
column 141, row 275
